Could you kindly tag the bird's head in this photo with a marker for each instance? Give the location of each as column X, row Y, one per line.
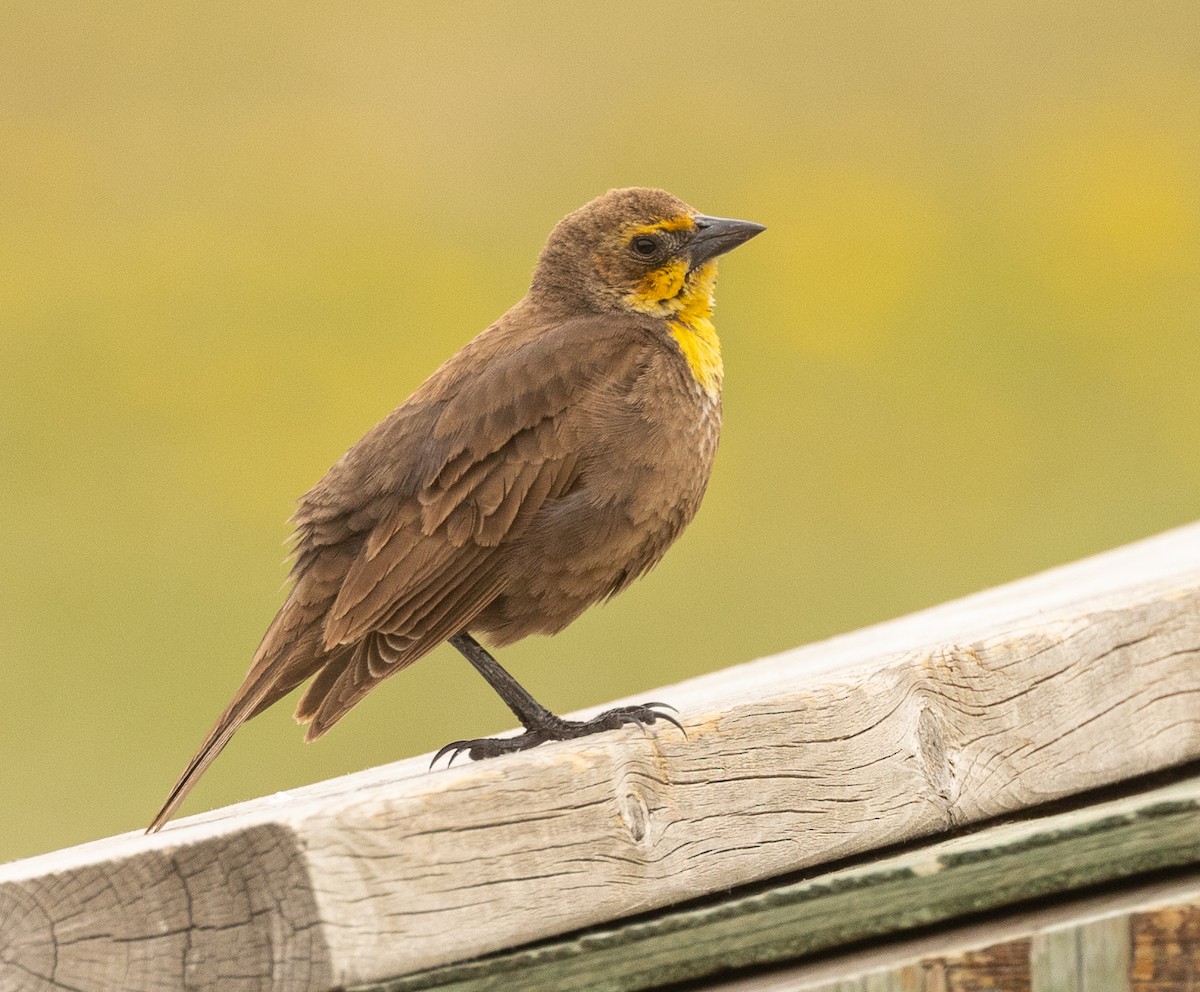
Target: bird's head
column 636, row 250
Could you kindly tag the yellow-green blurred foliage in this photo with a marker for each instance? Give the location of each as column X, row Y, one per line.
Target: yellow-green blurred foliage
column 234, row 235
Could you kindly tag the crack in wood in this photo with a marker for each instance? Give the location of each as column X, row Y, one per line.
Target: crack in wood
column 971, row 711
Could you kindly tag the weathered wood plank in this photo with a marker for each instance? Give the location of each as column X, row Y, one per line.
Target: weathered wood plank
column 995, row 968
column 994, row 867
column 1077, row 678
column 1166, row 949
column 1091, row 957
column 1104, row 954
column 238, row 915
column 1144, row 939
column 1054, row 961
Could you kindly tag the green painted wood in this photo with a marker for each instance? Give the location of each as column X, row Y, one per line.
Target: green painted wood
column 1105, row 950
column 1054, row 961
column 992, row 868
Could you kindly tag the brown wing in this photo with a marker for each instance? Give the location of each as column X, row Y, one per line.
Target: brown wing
column 399, row 545
column 432, row 566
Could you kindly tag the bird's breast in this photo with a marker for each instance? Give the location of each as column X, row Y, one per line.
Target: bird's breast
column 644, row 452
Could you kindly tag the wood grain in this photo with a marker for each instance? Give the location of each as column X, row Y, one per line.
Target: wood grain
column 997, row 968
column 994, row 867
column 1081, row 677
column 1166, row 950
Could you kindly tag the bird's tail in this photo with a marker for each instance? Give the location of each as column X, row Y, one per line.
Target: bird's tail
column 237, row 713
column 282, row 662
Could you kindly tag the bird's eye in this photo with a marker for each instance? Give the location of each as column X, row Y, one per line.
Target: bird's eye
column 646, row 247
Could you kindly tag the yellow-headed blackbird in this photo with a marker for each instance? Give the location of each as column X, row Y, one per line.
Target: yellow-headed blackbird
column 544, row 467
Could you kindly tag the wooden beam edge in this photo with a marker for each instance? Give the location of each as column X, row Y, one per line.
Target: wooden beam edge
column 951, row 716
column 992, row 868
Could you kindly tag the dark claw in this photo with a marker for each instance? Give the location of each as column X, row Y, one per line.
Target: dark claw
column 643, row 715
column 670, row 719
column 456, row 746
column 562, row 730
column 491, row 747
column 655, row 707
column 635, row 719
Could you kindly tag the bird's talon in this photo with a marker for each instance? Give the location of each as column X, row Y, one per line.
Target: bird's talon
column 456, row 747
column 632, row 718
column 667, row 718
column 641, row 717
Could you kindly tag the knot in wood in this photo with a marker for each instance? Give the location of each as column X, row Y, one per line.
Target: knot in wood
column 934, row 755
column 635, row 814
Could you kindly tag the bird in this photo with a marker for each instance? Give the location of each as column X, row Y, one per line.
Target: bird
column 541, row 469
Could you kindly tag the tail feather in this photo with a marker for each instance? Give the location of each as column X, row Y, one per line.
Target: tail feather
column 213, row 745
column 286, row 657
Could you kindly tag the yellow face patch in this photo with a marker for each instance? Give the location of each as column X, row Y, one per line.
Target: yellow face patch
column 683, row 222
column 661, row 285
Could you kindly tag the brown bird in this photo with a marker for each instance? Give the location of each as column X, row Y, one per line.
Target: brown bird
column 543, row 468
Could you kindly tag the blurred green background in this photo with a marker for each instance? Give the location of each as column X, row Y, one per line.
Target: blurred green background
column 233, row 236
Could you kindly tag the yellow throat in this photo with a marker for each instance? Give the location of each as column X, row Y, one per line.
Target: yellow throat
column 687, row 303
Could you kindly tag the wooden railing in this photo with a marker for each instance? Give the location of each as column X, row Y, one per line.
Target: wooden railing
column 824, row 797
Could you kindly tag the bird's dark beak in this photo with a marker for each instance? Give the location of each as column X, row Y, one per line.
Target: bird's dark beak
column 716, row 235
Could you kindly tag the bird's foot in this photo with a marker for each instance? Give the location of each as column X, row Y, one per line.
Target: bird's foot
column 557, row 729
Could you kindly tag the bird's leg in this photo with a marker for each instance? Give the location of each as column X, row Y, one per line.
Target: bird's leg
column 540, row 724
column 532, row 714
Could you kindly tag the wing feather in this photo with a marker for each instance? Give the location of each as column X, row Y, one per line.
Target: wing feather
column 364, row 671
column 400, row 545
